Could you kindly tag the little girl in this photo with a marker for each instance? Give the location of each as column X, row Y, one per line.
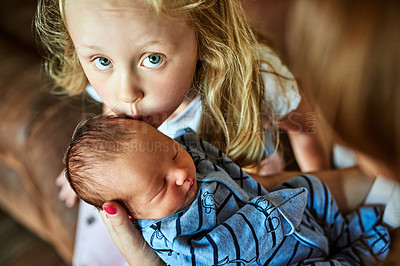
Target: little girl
column 175, row 64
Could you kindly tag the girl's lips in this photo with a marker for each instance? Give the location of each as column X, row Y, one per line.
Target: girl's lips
column 153, row 119
column 136, row 117
column 147, row 119
column 141, row 118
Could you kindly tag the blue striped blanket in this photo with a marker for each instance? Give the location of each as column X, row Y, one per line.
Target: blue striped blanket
column 235, row 221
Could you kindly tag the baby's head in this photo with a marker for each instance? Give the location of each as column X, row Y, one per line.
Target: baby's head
column 131, row 162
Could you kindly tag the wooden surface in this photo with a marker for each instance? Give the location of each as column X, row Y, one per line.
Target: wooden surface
column 19, row 247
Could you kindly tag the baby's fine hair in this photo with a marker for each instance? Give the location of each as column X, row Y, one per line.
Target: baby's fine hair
column 96, row 143
column 228, row 76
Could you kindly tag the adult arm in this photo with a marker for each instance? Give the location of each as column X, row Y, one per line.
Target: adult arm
column 305, row 131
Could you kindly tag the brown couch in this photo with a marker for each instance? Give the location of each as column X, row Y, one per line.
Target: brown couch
column 35, row 128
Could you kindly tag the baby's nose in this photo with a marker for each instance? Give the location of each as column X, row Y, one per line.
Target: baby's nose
column 180, row 176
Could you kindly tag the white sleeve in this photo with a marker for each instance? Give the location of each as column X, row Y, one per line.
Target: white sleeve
column 190, row 117
column 281, row 90
column 91, row 91
column 386, row 192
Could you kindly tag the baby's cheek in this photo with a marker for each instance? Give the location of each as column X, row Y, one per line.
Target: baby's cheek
column 168, row 209
column 177, row 203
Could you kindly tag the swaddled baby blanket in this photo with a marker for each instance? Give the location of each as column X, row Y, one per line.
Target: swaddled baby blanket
column 235, row 221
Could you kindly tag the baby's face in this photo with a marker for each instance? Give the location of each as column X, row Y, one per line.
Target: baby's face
column 140, row 64
column 157, row 177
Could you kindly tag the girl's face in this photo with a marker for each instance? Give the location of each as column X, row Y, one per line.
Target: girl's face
column 157, row 177
column 140, row 64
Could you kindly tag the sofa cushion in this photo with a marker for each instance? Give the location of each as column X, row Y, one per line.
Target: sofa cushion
column 35, row 129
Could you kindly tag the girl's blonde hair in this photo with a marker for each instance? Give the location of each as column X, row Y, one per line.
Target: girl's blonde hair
column 228, row 78
column 347, row 54
column 61, row 60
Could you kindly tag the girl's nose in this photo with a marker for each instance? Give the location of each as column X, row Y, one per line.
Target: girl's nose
column 129, row 90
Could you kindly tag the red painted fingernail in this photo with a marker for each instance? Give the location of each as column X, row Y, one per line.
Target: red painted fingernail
column 110, row 209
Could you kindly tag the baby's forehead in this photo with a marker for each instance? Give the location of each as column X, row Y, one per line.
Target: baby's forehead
column 149, row 145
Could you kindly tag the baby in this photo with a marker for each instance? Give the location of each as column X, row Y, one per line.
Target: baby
column 195, row 206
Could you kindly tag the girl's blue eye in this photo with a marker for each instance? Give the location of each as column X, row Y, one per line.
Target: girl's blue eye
column 153, row 61
column 102, row 63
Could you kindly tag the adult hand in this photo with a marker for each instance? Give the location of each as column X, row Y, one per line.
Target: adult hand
column 127, row 236
column 66, row 194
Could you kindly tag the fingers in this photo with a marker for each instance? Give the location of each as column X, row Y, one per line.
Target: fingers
column 110, row 228
column 122, row 231
column 118, row 218
column 60, row 180
column 66, row 194
column 71, row 199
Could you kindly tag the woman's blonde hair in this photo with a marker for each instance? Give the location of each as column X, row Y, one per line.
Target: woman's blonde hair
column 228, row 78
column 347, row 54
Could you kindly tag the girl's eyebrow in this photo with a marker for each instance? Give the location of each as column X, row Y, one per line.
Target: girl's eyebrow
column 153, row 42
column 87, row 46
column 84, row 46
column 157, row 43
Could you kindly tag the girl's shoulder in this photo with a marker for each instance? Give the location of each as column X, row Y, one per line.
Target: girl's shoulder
column 281, row 89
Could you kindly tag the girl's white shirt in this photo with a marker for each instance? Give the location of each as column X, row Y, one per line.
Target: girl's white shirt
column 281, row 93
